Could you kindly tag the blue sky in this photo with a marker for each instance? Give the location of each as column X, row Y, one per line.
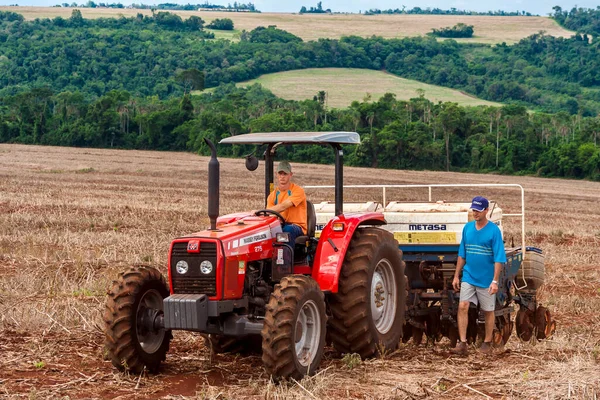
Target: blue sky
column 541, row 7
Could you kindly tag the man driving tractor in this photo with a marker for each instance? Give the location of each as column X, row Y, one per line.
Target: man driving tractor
column 289, row 200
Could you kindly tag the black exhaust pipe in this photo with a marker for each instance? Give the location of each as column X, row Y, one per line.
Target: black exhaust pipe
column 213, row 186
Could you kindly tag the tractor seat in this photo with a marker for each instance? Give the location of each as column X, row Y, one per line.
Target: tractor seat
column 311, row 222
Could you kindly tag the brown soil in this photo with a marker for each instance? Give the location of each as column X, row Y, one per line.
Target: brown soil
column 74, row 367
column 65, row 234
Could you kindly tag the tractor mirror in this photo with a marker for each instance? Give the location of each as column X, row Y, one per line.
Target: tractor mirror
column 251, row 162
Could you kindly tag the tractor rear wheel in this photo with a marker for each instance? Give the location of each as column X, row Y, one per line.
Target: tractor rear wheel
column 293, row 336
column 134, row 302
column 367, row 312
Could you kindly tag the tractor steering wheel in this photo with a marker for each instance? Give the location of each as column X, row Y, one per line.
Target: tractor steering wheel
column 266, row 212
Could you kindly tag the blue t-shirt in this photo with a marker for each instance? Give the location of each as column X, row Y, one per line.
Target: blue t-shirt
column 481, row 249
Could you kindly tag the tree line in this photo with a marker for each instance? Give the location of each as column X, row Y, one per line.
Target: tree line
column 439, row 11
column 314, row 10
column 582, row 20
column 144, row 54
column 224, row 24
column 414, row 134
column 167, row 6
column 459, row 30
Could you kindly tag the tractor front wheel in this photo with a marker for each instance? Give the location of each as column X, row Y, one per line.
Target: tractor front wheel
column 134, row 305
column 293, row 336
column 367, row 312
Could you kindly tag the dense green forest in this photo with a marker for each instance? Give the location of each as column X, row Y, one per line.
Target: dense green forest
column 143, row 56
column 116, row 83
column 584, row 20
column 395, row 134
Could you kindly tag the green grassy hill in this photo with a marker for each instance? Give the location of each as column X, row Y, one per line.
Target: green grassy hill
column 344, row 85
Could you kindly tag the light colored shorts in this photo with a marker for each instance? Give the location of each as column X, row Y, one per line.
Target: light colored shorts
column 477, row 295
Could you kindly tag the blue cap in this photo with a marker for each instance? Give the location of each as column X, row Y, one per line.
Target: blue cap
column 479, row 203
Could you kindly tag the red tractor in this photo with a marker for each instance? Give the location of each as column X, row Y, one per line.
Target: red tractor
column 243, row 285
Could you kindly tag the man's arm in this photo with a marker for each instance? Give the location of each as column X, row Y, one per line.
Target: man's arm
column 460, row 263
column 284, row 205
column 494, row 285
column 499, row 259
column 497, row 270
column 295, row 199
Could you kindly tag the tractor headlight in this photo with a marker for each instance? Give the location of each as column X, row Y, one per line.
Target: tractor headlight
column 206, row 267
column 282, row 237
column 182, row 267
column 338, row 227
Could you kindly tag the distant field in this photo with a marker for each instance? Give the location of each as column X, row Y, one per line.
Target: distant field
column 229, row 35
column 488, row 29
column 344, row 85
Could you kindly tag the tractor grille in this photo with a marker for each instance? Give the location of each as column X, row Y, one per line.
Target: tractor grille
column 207, row 249
column 195, row 285
column 194, row 281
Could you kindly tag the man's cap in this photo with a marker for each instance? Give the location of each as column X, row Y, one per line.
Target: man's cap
column 284, row 166
column 479, row 203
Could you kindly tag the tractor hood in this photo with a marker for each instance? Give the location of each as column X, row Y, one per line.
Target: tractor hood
column 241, row 232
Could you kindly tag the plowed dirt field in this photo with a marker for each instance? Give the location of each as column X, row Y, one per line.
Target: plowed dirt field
column 71, row 219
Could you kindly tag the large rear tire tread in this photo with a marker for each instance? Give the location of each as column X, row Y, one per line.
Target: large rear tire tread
column 278, row 333
column 120, row 319
column 351, row 325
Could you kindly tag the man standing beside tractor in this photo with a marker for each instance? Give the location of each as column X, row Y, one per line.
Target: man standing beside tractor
column 480, row 257
column 289, row 200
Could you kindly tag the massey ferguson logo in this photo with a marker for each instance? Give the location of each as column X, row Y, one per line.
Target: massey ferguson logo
column 193, row 245
column 256, row 238
column 427, row 227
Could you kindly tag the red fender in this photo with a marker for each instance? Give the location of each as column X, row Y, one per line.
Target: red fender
column 328, row 262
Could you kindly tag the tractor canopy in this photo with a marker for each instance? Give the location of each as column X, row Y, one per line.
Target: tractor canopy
column 274, row 139
column 294, row 138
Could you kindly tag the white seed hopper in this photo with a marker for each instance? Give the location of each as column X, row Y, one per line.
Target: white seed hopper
column 432, row 223
column 419, row 223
